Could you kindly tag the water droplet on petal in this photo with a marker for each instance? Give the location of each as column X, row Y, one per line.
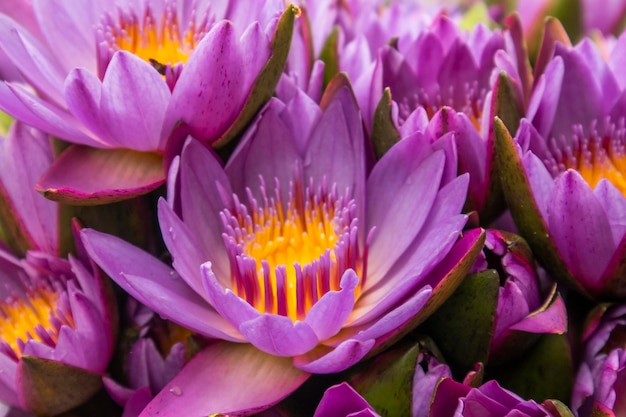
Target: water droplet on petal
column 177, row 391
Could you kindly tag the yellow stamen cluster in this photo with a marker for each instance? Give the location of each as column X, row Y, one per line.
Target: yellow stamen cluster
column 19, row 318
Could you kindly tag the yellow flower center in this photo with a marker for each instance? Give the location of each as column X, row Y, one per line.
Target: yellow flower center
column 160, row 39
column 35, row 317
column 596, row 158
column 283, row 259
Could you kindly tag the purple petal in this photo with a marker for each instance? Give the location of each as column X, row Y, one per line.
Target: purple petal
column 202, row 183
column 83, row 174
column 212, row 383
column 24, row 156
column 34, row 61
column 156, row 285
column 579, row 228
column 83, row 92
column 183, row 246
column 545, row 97
column 401, row 194
column 324, row 360
column 23, row 105
column 614, row 204
column 269, row 152
column 134, row 100
column 336, row 147
column 552, row 319
column 72, row 28
column 279, row 335
column 212, row 89
column 329, row 314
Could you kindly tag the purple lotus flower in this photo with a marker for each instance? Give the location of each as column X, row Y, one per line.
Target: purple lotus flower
column 526, row 303
column 571, row 171
column 455, row 399
column 599, row 385
column 342, row 400
column 428, row 372
column 55, row 314
column 291, row 247
column 446, row 79
column 116, row 81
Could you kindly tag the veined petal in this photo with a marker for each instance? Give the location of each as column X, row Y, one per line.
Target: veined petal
column 579, row 227
column 155, row 284
column 325, row 360
column 279, row 335
column 212, row 383
column 87, row 175
column 329, row 314
column 134, row 100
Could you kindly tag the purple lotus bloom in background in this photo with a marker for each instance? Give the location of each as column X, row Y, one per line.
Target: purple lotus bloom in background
column 446, row 79
column 115, row 81
column 526, row 303
column 489, row 400
column 342, row 400
column 291, row 247
column 573, row 167
column 54, row 312
column 600, row 382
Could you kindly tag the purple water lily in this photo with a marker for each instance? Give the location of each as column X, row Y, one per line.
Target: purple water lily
column 446, row 79
column 291, row 247
column 599, row 386
column 572, row 168
column 55, row 314
column 116, row 81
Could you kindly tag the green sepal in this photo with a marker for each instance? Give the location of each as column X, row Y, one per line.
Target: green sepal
column 463, row 326
column 446, row 287
column 265, row 84
column 48, row 388
column 386, row 381
column 12, row 232
column 330, row 56
column 5, row 123
column 543, row 372
column 384, row 133
column 557, row 408
column 523, row 208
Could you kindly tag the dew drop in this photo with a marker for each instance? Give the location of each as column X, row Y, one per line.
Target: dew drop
column 177, row 391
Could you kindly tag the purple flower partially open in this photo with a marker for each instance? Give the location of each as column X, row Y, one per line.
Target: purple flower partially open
column 56, row 316
column 489, row 400
column 568, row 199
column 600, row 382
column 291, row 247
column 115, row 81
column 526, row 304
column 446, row 79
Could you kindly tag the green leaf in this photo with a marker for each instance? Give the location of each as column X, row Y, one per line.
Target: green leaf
column 49, row 387
column 543, row 372
column 265, row 84
column 463, row 326
column 330, row 56
column 384, row 132
column 386, row 381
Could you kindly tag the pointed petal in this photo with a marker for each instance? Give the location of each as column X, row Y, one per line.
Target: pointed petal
column 325, row 360
column 155, row 284
column 212, row 383
column 579, row 228
column 134, row 99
